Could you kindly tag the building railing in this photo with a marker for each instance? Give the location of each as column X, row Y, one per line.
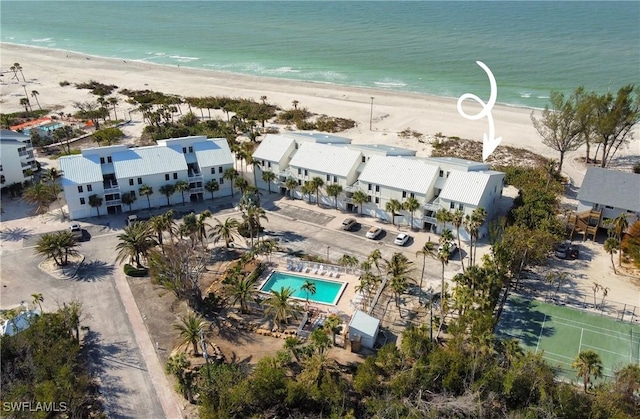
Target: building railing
column 195, row 177
column 433, row 205
column 110, row 189
column 113, row 202
column 429, row 219
column 196, row 190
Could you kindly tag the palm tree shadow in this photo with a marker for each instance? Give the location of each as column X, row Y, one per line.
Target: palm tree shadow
column 15, row 234
column 95, row 270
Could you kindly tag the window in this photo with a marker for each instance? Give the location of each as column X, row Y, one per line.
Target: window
column 89, row 188
column 80, row 189
column 404, row 194
column 81, row 201
column 369, row 198
column 175, row 176
column 377, row 188
column 220, row 169
column 269, row 165
column 190, row 149
column 101, row 160
column 441, row 174
column 184, row 150
column 369, row 186
column 109, row 160
column 139, row 181
column 377, row 200
column 335, row 179
column 299, row 182
column 213, row 170
column 452, row 205
column 461, row 207
column 448, row 174
column 412, row 195
column 306, row 172
column 130, row 182
column 299, row 171
column 364, row 159
column 608, row 207
column 166, row 176
column 328, row 178
column 221, row 181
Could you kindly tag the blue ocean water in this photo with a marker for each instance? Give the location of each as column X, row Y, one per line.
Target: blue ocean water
column 425, row 47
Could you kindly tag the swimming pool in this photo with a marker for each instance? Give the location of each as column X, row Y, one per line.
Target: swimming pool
column 327, row 292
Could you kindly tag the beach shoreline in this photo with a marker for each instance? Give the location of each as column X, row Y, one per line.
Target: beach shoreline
column 380, row 114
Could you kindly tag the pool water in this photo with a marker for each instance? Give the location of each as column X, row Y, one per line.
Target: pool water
column 327, row 292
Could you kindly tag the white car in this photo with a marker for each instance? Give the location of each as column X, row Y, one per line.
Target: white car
column 453, row 248
column 401, row 239
column 374, row 232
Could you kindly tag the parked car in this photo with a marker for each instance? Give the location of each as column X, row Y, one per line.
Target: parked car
column 453, row 248
column 567, row 250
column 77, row 232
column 132, row 219
column 401, row 239
column 348, row 223
column 374, row 232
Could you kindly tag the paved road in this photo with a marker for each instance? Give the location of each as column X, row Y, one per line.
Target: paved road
column 125, row 382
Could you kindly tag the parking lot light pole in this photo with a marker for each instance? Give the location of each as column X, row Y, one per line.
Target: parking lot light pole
column 328, row 247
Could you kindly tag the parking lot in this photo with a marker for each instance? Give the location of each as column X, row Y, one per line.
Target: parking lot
column 387, row 236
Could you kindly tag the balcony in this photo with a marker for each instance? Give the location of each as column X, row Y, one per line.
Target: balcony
column 112, row 202
column 429, row 219
column 195, row 177
column 433, row 205
column 110, row 188
column 197, row 189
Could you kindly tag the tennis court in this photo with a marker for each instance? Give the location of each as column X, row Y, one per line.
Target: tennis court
column 562, row 332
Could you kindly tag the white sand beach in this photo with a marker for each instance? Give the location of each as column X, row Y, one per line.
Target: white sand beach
column 393, row 112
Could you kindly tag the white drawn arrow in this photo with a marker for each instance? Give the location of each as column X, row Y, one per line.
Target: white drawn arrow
column 489, row 142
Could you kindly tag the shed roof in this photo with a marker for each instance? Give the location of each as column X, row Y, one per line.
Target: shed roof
column 366, row 324
column 213, row 153
column 407, row 174
column 326, row 158
column 466, row 187
column 79, row 169
column 144, row 161
column 273, row 148
column 611, row 187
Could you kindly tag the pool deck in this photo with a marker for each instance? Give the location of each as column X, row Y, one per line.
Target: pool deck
column 343, row 305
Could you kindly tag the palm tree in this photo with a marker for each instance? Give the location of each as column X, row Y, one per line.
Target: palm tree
column 146, row 190
column 241, row 289
column 291, row 184
column 307, row 189
column 182, row 187
column 443, row 255
column 411, row 205
column 128, row 198
column 189, row 328
column 113, row 102
column 40, row 194
column 348, row 261
column 51, row 175
column 226, row 231
column 457, row 218
column 57, row 246
column 374, row 257
column 309, row 287
column 201, row 226
column 242, row 184
column 15, row 68
column 443, row 216
column 212, row 186
column 37, row 299
column 334, row 189
column 291, row 343
column 25, row 102
column 393, row 206
column 478, row 217
column 429, row 249
column 252, row 215
column 95, row 201
column 398, row 268
column 360, row 197
column 34, row 94
column 167, row 190
column 269, row 177
column 620, row 224
column 317, row 183
column 611, row 246
column 158, row 224
column 588, row 363
column 332, row 326
column 279, row 306
column 136, row 240
column 231, row 174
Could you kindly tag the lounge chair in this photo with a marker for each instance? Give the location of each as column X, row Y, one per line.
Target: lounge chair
column 336, row 272
column 314, row 270
column 330, row 270
column 321, row 270
column 305, row 268
column 299, row 267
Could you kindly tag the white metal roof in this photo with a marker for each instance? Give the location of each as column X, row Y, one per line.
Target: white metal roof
column 466, row 187
column 213, row 152
column 364, row 323
column 407, row 174
column 462, row 164
column 144, row 161
column 272, row 148
column 78, row 169
column 317, row 137
column 326, row 158
column 383, row 149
